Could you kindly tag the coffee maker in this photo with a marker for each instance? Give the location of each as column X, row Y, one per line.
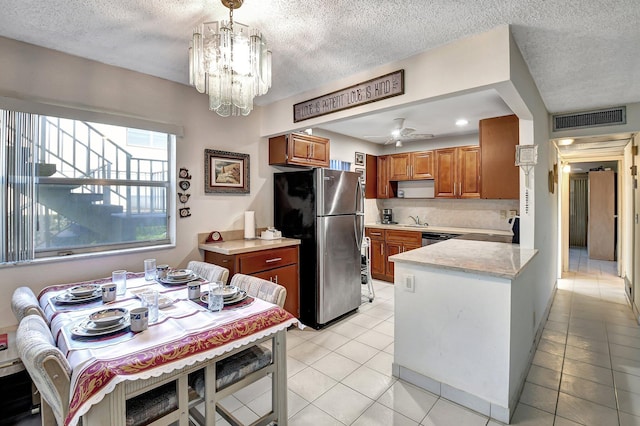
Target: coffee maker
column 387, row 216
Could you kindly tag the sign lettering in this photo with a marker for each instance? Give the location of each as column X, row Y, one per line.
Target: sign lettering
column 372, row 90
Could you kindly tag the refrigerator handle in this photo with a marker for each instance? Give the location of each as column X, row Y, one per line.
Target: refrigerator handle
column 359, row 197
column 358, row 229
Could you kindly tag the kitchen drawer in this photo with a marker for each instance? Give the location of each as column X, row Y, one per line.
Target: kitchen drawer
column 224, row 260
column 405, row 237
column 286, row 276
column 375, row 233
column 251, row 263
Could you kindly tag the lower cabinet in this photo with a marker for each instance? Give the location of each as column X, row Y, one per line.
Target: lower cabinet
column 280, row 265
column 387, row 242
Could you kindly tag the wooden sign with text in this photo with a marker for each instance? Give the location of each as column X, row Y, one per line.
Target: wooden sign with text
column 372, row 90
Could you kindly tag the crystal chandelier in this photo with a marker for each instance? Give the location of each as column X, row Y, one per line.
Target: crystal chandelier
column 229, row 62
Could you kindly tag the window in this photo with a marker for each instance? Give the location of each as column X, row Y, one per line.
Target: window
column 339, row 165
column 146, row 138
column 70, row 186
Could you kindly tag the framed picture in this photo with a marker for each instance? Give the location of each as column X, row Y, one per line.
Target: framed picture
column 226, row 172
column 359, row 159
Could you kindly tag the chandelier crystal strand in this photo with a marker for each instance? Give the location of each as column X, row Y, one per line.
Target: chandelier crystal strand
column 231, row 63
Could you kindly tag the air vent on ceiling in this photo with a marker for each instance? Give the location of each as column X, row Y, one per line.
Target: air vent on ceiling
column 580, row 120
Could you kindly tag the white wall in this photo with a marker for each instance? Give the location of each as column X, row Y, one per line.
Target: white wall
column 41, row 75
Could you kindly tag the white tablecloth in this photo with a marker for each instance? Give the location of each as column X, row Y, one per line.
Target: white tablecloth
column 185, row 333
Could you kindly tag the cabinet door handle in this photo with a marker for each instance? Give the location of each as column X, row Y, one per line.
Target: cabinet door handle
column 312, row 151
column 275, row 280
column 275, row 259
column 408, row 170
column 376, row 233
column 381, row 250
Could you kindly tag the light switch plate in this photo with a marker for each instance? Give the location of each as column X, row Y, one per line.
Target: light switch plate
column 409, row 283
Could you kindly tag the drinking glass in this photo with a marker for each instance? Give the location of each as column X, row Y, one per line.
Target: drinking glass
column 150, row 300
column 216, row 291
column 119, row 278
column 149, row 269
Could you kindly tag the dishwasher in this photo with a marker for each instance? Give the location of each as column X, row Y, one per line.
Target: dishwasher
column 429, row 238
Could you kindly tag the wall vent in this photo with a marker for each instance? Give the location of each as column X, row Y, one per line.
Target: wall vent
column 585, row 119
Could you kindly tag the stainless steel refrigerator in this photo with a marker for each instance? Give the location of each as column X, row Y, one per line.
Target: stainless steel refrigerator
column 324, row 209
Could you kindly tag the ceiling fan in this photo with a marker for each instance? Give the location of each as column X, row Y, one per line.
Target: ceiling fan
column 400, row 134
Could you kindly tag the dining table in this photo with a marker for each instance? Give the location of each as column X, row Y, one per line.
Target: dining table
column 110, row 367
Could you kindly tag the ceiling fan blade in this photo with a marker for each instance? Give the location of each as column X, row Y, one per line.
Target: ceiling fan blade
column 417, row 136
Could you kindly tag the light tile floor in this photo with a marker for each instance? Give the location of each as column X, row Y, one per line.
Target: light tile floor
column 586, row 370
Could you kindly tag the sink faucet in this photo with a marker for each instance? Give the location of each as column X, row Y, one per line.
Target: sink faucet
column 416, row 220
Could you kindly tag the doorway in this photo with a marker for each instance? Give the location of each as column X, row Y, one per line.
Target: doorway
column 592, row 208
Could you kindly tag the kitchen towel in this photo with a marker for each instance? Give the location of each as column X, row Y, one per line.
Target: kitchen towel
column 249, row 225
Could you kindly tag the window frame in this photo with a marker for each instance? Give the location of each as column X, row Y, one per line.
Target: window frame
column 174, row 132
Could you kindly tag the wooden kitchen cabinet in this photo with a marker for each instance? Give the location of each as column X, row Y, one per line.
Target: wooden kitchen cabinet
column 371, row 177
column 385, row 243
column 411, row 166
column 499, row 137
column 299, row 149
column 457, row 172
column 378, row 259
column 422, row 165
column 399, row 166
column 280, row 265
column 385, row 188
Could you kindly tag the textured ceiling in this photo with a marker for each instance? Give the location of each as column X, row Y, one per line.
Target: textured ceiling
column 582, row 53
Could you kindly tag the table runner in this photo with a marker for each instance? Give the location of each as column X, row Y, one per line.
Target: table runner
column 185, row 333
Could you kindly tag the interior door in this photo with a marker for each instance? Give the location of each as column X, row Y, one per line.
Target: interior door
column 601, row 238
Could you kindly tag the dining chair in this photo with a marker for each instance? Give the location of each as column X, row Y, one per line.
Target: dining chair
column 51, row 373
column 47, row 366
column 24, row 302
column 244, row 367
column 209, row 271
column 260, row 288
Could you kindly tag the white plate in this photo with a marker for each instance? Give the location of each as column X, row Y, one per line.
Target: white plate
column 106, row 317
column 69, row 298
column 179, row 274
column 204, row 298
column 230, row 291
column 178, row 281
column 83, row 290
column 90, row 326
column 81, row 330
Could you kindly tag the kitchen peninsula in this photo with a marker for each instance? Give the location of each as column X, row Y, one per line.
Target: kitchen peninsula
column 275, row 260
column 465, row 321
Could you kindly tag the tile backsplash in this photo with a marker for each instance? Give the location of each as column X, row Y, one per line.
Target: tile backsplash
column 484, row 214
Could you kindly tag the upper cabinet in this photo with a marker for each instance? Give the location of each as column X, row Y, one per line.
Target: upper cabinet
column 299, row 149
column 384, row 187
column 500, row 176
column 457, row 172
column 411, row 166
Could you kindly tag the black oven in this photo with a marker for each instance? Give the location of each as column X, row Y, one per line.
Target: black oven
column 429, row 238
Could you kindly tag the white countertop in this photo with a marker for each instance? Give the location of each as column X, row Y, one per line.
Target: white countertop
column 449, row 229
column 503, row 260
column 246, row 246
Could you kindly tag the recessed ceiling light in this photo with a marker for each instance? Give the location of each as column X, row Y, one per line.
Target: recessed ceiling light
column 565, row 141
column 461, row 122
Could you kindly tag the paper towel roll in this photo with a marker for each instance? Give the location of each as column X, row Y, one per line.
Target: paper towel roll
column 249, row 224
